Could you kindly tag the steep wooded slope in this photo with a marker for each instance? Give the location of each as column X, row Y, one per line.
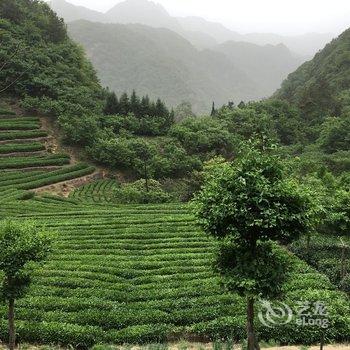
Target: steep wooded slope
column 321, row 87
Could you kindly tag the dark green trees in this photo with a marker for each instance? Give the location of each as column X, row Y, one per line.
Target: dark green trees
column 112, row 104
column 139, row 115
column 248, row 206
column 21, row 245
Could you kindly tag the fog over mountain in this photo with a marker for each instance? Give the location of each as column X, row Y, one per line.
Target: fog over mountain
column 201, row 32
column 138, row 45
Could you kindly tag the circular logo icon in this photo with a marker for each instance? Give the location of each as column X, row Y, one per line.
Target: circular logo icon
column 274, row 314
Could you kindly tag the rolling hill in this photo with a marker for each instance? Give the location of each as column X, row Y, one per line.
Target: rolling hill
column 321, row 87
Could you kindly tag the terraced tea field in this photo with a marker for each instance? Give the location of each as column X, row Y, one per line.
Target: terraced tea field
column 25, row 164
column 133, row 273
column 100, row 191
column 143, row 273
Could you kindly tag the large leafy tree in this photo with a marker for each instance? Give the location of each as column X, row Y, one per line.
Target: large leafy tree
column 21, row 245
column 249, row 206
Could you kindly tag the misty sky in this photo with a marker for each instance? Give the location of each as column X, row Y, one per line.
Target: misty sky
column 278, row 16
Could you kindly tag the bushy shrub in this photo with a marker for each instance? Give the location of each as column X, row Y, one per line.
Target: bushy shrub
column 142, row 192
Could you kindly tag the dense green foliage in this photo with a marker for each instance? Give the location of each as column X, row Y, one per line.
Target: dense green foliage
column 246, row 196
column 142, row 192
column 321, row 87
column 42, row 65
column 21, row 244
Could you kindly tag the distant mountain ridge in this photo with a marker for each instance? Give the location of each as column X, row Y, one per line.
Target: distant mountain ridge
column 200, row 32
column 161, row 63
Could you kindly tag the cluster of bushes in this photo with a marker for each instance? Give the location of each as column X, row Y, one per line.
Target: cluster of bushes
column 159, row 159
column 142, row 192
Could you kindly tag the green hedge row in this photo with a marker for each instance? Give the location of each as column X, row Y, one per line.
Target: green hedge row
column 26, row 162
column 5, row 111
column 31, row 180
column 14, row 135
column 69, row 173
column 21, row 147
column 19, row 126
column 20, row 120
column 11, row 176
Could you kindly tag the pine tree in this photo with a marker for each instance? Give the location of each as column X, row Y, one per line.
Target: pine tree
column 112, row 104
column 160, row 109
column 241, row 105
column 152, row 109
column 135, row 104
column 124, row 104
column 213, row 110
column 145, row 108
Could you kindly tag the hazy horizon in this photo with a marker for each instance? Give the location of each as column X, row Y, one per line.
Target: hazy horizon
column 270, row 16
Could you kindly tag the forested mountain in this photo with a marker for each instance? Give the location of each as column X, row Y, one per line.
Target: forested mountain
column 321, row 87
column 162, row 64
column 200, row 32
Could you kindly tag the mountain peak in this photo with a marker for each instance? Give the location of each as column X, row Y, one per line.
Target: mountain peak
column 144, row 12
column 138, row 6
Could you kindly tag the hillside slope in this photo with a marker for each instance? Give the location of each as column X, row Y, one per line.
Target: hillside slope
column 162, row 64
column 40, row 63
column 321, row 87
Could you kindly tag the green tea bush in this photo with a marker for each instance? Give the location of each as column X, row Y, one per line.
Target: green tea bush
column 14, row 135
column 21, row 147
column 142, row 192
